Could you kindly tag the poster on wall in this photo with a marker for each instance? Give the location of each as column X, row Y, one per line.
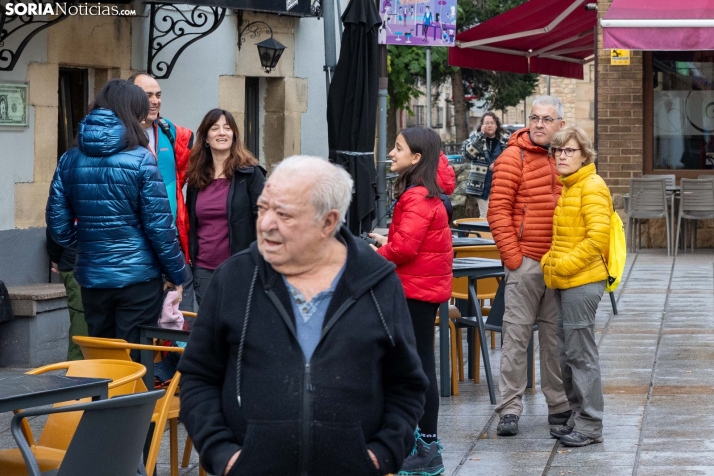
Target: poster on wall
column 13, row 104
column 417, row 22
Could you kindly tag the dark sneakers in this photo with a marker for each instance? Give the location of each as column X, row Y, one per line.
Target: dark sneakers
column 576, row 438
column 508, row 425
column 559, row 418
column 561, row 431
column 425, row 459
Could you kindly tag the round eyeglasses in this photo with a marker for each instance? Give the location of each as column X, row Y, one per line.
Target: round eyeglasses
column 547, row 120
column 568, row 151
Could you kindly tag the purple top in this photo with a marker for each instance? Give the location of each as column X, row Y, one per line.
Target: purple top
column 212, row 214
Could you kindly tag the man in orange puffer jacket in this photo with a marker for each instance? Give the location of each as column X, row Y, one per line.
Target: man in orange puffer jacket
column 523, row 197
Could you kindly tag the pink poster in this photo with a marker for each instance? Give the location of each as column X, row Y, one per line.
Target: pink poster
column 418, row 22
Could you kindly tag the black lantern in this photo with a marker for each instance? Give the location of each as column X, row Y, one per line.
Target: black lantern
column 269, row 50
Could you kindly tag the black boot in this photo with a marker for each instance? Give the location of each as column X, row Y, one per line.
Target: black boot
column 425, row 459
column 561, row 431
column 559, row 418
column 576, row 438
column 508, row 425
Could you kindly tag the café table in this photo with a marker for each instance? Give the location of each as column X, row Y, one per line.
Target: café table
column 477, row 226
column 474, row 269
column 146, row 336
column 459, row 241
column 19, row 390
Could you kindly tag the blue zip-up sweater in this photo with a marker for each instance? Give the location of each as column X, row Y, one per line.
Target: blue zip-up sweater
column 110, row 203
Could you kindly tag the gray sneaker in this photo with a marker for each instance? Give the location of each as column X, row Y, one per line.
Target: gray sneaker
column 424, row 460
column 508, row 425
column 575, row 438
column 561, row 431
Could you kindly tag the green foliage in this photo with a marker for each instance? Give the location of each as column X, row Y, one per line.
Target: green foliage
column 500, row 90
column 407, row 64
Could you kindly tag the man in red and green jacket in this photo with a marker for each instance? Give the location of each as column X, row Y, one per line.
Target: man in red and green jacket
column 171, row 145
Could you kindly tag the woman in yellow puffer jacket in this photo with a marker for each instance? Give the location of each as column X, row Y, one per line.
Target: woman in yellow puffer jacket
column 575, row 268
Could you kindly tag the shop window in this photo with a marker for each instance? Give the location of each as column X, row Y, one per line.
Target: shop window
column 72, row 106
column 680, row 108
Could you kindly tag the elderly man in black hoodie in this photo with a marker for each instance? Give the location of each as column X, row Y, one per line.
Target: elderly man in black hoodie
column 302, row 360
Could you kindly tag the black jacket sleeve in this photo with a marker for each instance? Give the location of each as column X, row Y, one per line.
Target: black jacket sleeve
column 255, row 189
column 405, row 389
column 203, row 368
column 54, row 250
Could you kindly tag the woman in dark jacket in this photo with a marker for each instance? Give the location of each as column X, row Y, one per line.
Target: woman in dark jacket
column 108, row 200
column 482, row 149
column 419, row 243
column 224, row 183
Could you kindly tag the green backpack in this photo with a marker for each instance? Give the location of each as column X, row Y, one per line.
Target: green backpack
column 616, row 253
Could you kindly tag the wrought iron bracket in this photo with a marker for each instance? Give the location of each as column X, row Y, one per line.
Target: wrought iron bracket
column 168, row 24
column 252, row 29
column 12, row 27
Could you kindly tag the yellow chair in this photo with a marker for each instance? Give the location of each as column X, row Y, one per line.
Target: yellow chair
column 162, row 413
column 59, row 428
column 486, row 289
column 102, row 348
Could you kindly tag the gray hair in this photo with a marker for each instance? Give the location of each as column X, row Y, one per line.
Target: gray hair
column 552, row 101
column 332, row 187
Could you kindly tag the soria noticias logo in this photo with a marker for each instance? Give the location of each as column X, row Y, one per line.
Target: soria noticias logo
column 57, row 8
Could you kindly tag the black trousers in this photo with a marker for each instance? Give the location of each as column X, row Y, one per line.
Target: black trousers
column 423, row 316
column 117, row 313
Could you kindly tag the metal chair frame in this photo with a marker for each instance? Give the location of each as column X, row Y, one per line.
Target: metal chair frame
column 648, row 200
column 696, row 202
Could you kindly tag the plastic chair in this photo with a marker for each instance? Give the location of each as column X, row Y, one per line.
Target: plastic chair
column 648, row 200
column 696, row 202
column 101, row 348
column 108, row 439
column 59, row 429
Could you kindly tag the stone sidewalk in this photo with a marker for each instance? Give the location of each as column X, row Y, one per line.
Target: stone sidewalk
column 657, row 360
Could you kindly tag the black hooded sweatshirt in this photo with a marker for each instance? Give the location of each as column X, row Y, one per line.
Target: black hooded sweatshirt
column 245, row 383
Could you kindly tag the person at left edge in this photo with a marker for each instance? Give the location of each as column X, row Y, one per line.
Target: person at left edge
column 171, row 145
column 107, row 199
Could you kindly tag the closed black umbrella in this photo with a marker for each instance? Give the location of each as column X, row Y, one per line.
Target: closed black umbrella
column 352, row 109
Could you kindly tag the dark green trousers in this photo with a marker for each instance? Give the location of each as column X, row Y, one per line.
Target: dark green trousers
column 77, row 324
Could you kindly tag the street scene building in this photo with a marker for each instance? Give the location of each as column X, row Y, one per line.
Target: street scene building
column 357, row 314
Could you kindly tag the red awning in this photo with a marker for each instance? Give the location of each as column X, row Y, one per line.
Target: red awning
column 553, row 37
column 659, row 25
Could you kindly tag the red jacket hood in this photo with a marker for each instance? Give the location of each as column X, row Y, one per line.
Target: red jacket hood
column 445, row 175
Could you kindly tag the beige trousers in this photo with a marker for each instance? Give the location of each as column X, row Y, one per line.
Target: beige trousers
column 528, row 302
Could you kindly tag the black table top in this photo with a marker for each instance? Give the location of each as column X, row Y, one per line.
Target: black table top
column 477, row 267
column 19, row 390
column 475, row 225
column 458, row 241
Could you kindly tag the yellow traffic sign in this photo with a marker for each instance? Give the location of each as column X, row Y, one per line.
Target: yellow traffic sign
column 620, row 57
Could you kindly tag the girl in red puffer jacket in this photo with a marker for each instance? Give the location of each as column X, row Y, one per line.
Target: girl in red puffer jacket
column 419, row 243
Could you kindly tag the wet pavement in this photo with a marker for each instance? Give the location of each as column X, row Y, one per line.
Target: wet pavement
column 657, row 361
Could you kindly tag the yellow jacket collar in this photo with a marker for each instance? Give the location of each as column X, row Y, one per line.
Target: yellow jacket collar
column 582, row 173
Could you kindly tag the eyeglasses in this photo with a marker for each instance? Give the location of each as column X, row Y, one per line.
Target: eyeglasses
column 567, row 151
column 547, row 120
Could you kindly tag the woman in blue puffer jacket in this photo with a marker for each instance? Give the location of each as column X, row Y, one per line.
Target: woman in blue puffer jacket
column 109, row 201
